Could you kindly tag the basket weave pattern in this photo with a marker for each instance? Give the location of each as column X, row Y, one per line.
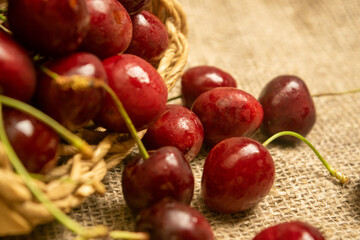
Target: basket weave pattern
column 71, row 183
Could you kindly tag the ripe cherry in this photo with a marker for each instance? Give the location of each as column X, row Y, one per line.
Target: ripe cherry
column 134, row 6
column 110, row 30
column 72, row 108
column 174, row 220
column 227, row 112
column 238, row 173
column 197, row 80
column 17, row 73
column 288, row 106
column 178, row 127
column 34, row 142
column 49, row 27
column 294, row 230
column 139, row 87
column 165, row 174
column 150, row 37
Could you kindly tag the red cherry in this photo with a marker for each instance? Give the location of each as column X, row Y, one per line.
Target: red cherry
column 288, row 106
column 72, row 108
column 17, row 73
column 49, row 27
column 174, row 220
column 227, row 112
column 150, row 37
column 34, row 142
column 165, row 174
column 110, row 30
column 238, row 173
column 197, row 80
column 294, row 230
column 178, row 127
column 139, row 87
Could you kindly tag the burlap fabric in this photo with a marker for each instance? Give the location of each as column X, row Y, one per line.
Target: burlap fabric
column 256, row 41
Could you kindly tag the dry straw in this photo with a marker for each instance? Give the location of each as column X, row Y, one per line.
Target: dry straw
column 69, row 184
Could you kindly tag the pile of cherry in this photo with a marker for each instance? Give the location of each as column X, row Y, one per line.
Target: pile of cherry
column 58, row 55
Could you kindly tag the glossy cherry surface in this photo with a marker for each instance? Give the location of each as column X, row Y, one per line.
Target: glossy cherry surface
column 173, row 220
column 35, row 143
column 110, row 30
column 178, row 127
column 288, row 106
column 238, row 173
column 227, row 112
column 199, row 79
column 17, row 73
column 165, row 174
column 134, row 6
column 150, row 37
column 50, row 27
column 139, row 87
column 72, row 108
column 294, row 230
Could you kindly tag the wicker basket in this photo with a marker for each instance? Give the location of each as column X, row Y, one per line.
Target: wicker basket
column 69, row 184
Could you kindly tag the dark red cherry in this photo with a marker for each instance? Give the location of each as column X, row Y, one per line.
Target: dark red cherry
column 110, row 30
column 174, row 220
column 72, row 108
column 288, row 106
column 165, row 174
column 238, row 173
column 34, row 142
column 294, row 230
column 134, row 6
column 17, row 73
column 150, row 37
column 139, row 87
column 178, row 127
column 199, row 79
column 227, row 112
column 55, row 27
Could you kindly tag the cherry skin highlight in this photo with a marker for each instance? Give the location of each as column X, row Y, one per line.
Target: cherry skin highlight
column 178, row 127
column 17, row 73
column 238, row 173
column 35, row 143
column 288, row 106
column 72, row 108
column 165, row 174
column 294, row 230
column 110, row 30
column 53, row 28
column 173, row 220
column 199, row 79
column 138, row 86
column 227, row 112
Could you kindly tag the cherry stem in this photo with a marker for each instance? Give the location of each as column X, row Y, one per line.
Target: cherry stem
column 336, row 93
column 74, row 140
column 174, row 98
column 333, row 172
column 129, row 235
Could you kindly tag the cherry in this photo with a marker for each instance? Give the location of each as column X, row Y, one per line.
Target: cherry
column 288, row 106
column 294, row 230
column 110, row 30
column 178, row 127
column 72, row 108
column 17, row 73
column 150, row 37
column 227, row 112
column 165, row 174
column 139, row 87
column 34, row 142
column 49, row 27
column 199, row 79
column 174, row 220
column 238, row 173
column 134, row 6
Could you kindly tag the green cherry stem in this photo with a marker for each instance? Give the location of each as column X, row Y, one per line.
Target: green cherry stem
column 2, row 17
column 71, row 138
column 129, row 235
column 336, row 93
column 333, row 172
column 174, row 98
